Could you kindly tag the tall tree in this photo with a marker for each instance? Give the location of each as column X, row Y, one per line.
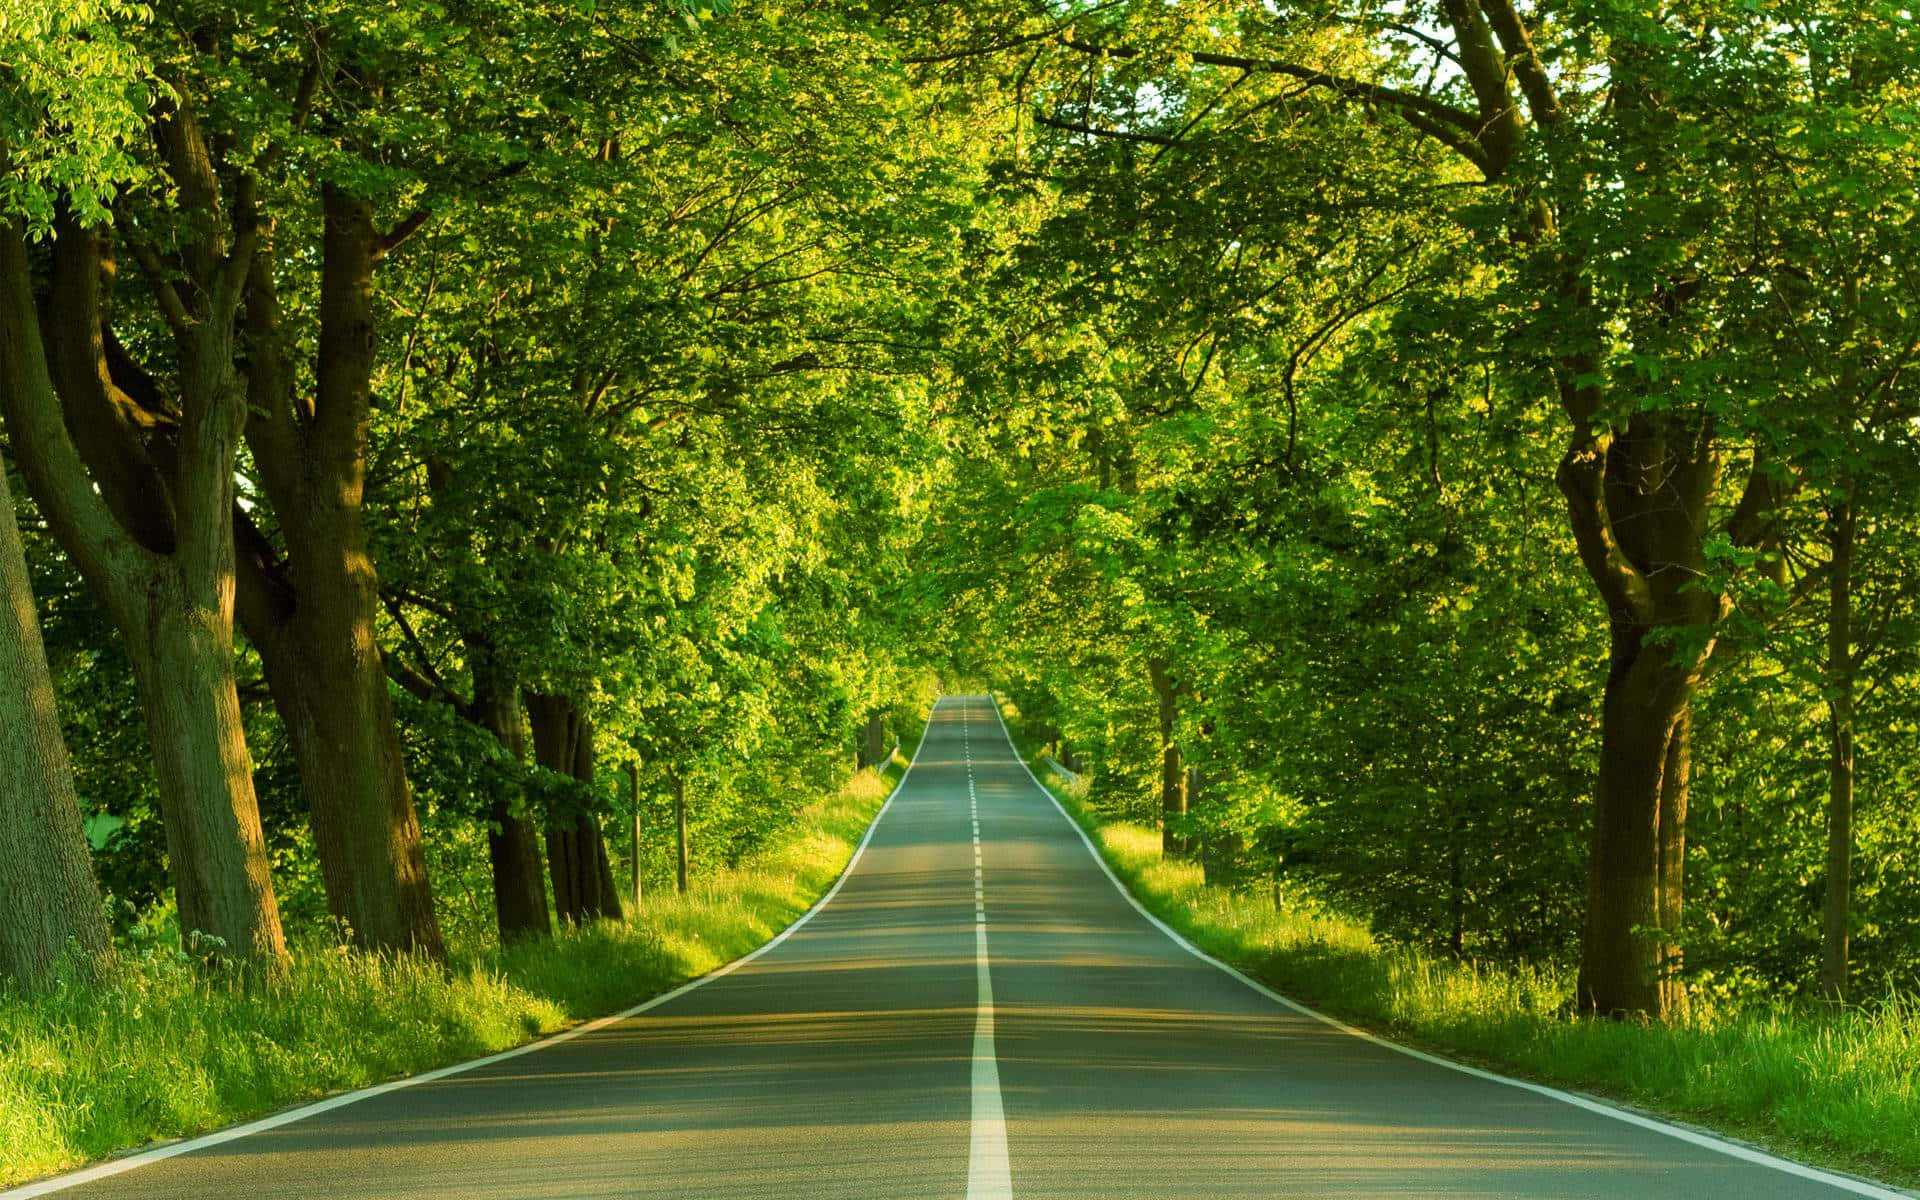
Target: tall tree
column 148, row 522
column 53, row 907
column 1605, row 196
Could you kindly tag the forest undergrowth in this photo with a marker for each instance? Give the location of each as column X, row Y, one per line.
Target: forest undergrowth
column 161, row 1050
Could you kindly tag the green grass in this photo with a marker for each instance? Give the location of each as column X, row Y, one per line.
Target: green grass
column 162, row 1051
column 1842, row 1089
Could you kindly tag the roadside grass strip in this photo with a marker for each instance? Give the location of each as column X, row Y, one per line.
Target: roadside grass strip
column 1841, row 1089
column 161, row 1051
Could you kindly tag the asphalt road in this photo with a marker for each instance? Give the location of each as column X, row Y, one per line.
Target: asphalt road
column 976, row 1012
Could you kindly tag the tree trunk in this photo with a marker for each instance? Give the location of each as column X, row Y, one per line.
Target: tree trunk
column 1456, row 897
column 519, row 890
column 183, row 662
column 314, row 616
column 680, row 821
column 606, row 893
column 331, row 691
column 513, row 845
column 639, row 841
column 1173, row 777
column 52, row 908
column 1676, row 786
column 1221, row 849
column 172, row 605
column 1841, row 530
column 1639, row 500
column 583, row 887
column 1630, row 958
column 876, row 749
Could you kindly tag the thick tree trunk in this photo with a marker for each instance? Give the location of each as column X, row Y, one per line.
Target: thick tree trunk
column 314, row 617
column 513, row 844
column 606, row 893
column 331, row 691
column 876, row 739
column 1835, row 909
column 583, row 887
column 609, row 889
column 183, row 662
column 519, row 889
column 1173, row 776
column 1630, row 956
column 52, row 908
column 173, row 605
column 680, row 822
column 1221, row 849
column 1639, row 499
column 1456, row 899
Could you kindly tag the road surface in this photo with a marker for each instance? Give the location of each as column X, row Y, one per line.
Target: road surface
column 976, row 1012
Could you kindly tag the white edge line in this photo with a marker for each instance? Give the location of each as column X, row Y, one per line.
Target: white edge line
column 1858, row 1187
column 119, row 1166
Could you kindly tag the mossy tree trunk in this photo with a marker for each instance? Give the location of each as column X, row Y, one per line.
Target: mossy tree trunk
column 52, row 910
column 148, row 522
column 312, row 608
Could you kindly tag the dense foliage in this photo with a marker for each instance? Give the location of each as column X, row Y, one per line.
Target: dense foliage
column 1455, row 457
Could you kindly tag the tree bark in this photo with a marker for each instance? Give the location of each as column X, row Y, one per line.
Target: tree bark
column 174, row 607
column 339, row 723
column 1173, row 777
column 639, row 840
column 1221, row 849
column 192, row 708
column 52, row 912
column 1630, row 957
column 513, row 844
column 1676, row 786
column 1638, row 501
column 1456, row 889
column 1837, row 903
column 583, row 887
column 680, row 821
column 876, row 739
column 314, row 617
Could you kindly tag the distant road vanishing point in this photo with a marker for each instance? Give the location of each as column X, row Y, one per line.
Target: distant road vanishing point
column 975, row 1011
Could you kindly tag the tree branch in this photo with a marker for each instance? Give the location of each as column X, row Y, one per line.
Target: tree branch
column 1358, row 89
column 1543, row 101
column 1151, row 139
column 1582, row 480
column 397, row 237
column 168, row 296
column 52, row 465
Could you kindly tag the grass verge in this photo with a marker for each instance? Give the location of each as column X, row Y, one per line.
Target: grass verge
column 162, row 1051
column 1841, row 1089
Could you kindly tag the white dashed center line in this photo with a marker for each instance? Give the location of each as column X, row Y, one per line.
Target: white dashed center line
column 988, row 1176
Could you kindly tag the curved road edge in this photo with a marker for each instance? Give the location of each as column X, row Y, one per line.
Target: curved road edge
column 1849, row 1183
column 133, row 1160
